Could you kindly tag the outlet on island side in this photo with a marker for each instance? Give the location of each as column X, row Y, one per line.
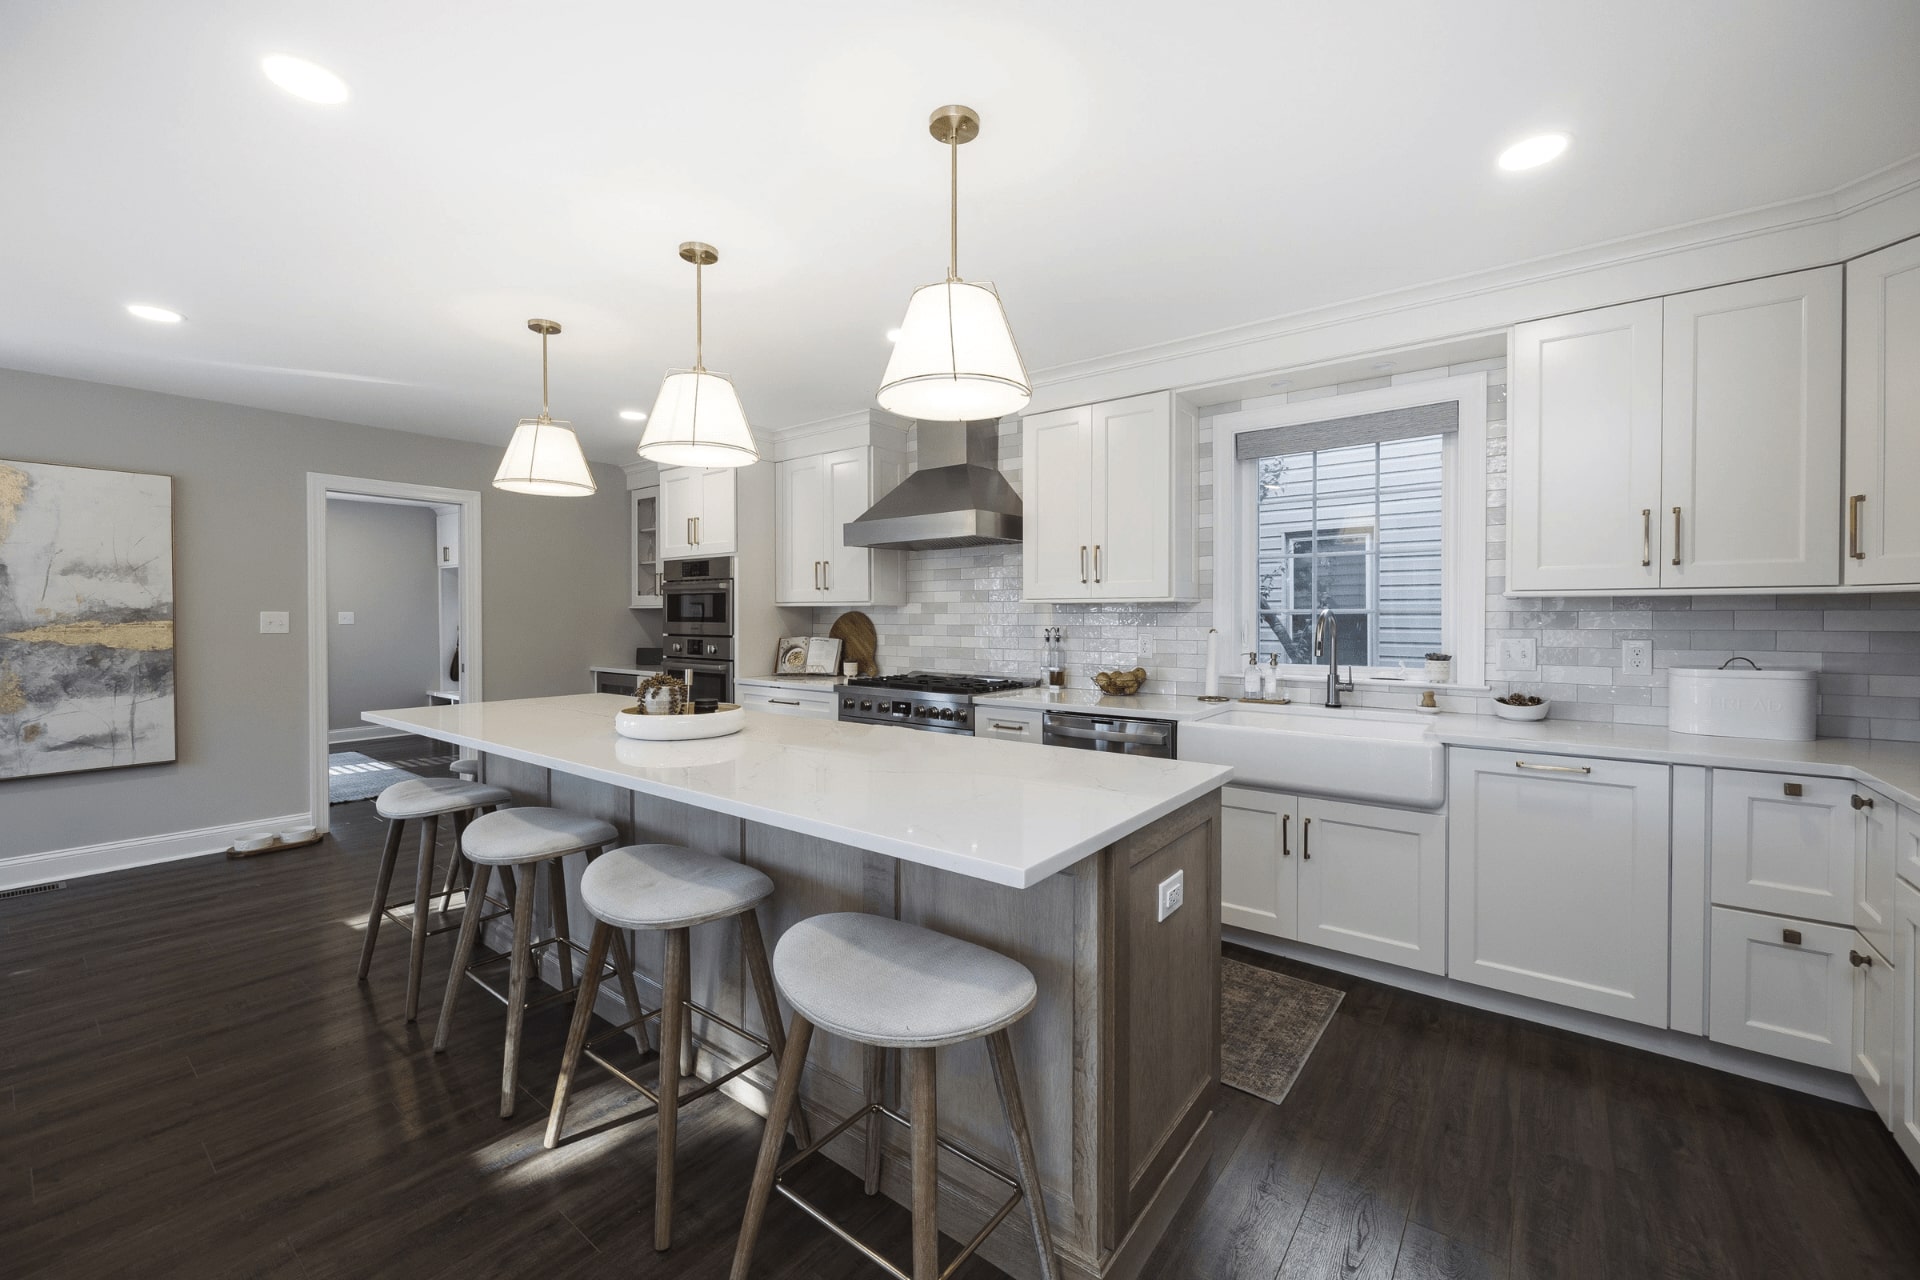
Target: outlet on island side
column 1173, row 892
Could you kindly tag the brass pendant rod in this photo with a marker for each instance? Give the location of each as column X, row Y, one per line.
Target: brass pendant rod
column 543, row 376
column 953, row 209
column 699, row 317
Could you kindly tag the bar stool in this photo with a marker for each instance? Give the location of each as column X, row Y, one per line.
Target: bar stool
column 508, row 840
column 895, row 986
column 426, row 801
column 669, row 889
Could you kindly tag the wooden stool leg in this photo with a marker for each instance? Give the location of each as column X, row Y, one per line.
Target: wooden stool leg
column 875, row 1094
column 926, row 1166
column 557, row 904
column 577, row 1033
column 381, row 884
column 786, row 1094
column 456, row 862
column 463, row 950
column 761, row 973
column 1007, row 1081
column 673, row 1022
column 422, row 901
column 623, row 962
column 516, row 995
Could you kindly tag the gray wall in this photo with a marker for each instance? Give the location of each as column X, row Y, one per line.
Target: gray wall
column 381, row 569
column 555, row 591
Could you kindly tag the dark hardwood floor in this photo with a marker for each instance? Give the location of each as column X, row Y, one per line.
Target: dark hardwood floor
column 193, row 1085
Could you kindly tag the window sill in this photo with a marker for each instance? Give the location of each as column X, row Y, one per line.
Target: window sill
column 1318, row 675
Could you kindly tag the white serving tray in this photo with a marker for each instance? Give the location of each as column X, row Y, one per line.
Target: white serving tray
column 714, row 724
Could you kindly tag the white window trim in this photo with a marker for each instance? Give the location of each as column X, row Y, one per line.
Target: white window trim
column 1463, row 590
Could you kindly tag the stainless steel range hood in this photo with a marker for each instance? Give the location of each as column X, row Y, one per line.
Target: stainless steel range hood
column 956, row 497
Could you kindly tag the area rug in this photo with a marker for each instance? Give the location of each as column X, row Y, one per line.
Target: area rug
column 352, row 776
column 1269, row 1024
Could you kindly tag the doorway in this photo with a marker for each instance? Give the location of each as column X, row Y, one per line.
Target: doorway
column 435, row 647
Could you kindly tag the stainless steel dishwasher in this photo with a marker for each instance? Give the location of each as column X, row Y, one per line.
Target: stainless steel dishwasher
column 1107, row 733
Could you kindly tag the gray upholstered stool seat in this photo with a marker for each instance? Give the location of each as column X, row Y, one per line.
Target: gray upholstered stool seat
column 668, row 886
column 895, row 985
column 465, row 768
column 426, row 797
column 532, row 834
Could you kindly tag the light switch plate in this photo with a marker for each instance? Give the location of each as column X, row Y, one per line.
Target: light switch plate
column 346, row 619
column 274, row 624
column 1517, row 655
column 1173, row 892
column 1636, row 657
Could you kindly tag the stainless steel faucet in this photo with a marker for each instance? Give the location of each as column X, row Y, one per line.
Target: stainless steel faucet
column 1323, row 626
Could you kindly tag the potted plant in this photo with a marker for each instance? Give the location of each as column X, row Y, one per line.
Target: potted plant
column 1439, row 668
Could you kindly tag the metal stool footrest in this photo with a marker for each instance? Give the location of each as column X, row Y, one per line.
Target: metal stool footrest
column 652, row 1094
column 607, row 970
column 819, row 1215
column 401, row 913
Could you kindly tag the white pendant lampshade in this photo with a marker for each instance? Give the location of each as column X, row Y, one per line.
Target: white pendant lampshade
column 697, row 420
column 544, row 456
column 956, row 360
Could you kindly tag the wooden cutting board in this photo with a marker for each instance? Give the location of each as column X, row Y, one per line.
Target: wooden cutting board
column 854, row 631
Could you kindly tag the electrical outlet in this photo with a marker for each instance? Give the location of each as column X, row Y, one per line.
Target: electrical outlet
column 346, row 619
column 274, row 624
column 1517, row 655
column 1636, row 657
column 1173, row 892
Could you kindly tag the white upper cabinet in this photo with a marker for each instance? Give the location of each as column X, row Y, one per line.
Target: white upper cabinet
column 1107, row 493
column 697, row 513
column 446, row 527
column 1750, row 433
column 814, row 499
column 1584, row 451
column 1686, row 443
column 1883, row 417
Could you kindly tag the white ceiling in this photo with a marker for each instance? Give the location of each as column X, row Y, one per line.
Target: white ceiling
column 1146, row 172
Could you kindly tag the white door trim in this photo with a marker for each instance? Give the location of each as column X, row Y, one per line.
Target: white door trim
column 319, row 486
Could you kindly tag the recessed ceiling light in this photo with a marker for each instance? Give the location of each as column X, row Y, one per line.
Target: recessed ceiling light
column 159, row 315
column 305, row 80
column 893, row 335
column 1531, row 153
column 633, row 415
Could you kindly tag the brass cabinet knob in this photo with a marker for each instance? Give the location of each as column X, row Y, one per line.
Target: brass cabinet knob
column 1861, row 802
column 1859, row 961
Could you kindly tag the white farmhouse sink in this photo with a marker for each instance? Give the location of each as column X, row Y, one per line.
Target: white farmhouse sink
column 1381, row 757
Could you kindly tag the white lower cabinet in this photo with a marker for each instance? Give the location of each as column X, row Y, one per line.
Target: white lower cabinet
column 1782, row 987
column 1014, row 724
column 1353, row 878
column 1876, row 1004
column 1558, row 880
column 1906, row 1021
column 1785, row 843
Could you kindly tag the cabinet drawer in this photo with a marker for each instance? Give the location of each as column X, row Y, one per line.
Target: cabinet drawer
column 1784, row 844
column 1782, row 987
column 1011, row 725
column 788, row 702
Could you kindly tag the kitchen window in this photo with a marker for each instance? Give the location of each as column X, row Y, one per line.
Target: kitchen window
column 1370, row 505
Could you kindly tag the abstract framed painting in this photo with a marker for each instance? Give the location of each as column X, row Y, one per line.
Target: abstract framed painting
column 86, row 619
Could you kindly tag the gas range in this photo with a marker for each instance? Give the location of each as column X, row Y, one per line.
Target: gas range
column 920, row 699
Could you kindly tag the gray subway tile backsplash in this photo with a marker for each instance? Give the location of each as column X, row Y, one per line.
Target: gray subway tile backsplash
column 964, row 613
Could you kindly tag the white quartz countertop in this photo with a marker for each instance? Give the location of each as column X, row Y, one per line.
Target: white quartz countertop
column 1142, row 706
column 996, row 811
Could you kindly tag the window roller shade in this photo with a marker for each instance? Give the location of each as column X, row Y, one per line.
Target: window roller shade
column 1335, row 433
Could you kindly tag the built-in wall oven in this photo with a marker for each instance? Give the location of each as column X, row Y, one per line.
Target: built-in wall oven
column 697, row 640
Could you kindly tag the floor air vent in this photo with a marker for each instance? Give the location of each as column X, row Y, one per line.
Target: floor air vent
column 49, row 887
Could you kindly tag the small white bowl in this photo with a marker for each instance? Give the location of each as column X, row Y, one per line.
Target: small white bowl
column 254, row 843
column 295, row 835
column 1507, row 711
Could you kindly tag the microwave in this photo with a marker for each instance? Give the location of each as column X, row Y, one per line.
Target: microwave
column 698, row 597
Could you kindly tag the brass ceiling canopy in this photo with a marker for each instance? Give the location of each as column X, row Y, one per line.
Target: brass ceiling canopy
column 545, row 328
column 954, row 124
column 700, row 255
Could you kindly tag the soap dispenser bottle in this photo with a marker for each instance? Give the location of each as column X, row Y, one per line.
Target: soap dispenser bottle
column 1270, row 679
column 1250, row 679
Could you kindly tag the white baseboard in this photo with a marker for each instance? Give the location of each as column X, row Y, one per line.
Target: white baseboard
column 361, row 733
column 119, row 855
column 1672, row 1044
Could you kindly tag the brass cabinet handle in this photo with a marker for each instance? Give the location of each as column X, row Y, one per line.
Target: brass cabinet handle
column 1306, row 839
column 1096, row 562
column 696, row 531
column 1009, row 728
column 1646, row 537
column 816, row 575
column 826, row 568
column 1790, row 936
column 1553, row 768
column 1853, row 526
column 1676, row 535
column 1861, row 802
column 1286, row 850
column 784, row 702
column 1083, row 564
column 689, row 530
column 1859, row 961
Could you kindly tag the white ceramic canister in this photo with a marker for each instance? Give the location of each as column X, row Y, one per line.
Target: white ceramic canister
column 1743, row 702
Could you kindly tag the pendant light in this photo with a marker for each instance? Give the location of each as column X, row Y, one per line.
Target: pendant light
column 956, row 360
column 544, row 456
column 697, row 420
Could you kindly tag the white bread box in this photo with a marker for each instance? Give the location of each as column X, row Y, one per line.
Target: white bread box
column 1743, row 702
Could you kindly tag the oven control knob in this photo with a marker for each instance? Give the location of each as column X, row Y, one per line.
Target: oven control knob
column 946, row 713
column 961, row 715
column 846, row 704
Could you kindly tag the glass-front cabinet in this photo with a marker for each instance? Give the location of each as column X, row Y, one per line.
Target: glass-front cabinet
column 644, row 550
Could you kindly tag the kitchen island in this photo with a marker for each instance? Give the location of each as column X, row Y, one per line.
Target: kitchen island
column 1053, row 858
